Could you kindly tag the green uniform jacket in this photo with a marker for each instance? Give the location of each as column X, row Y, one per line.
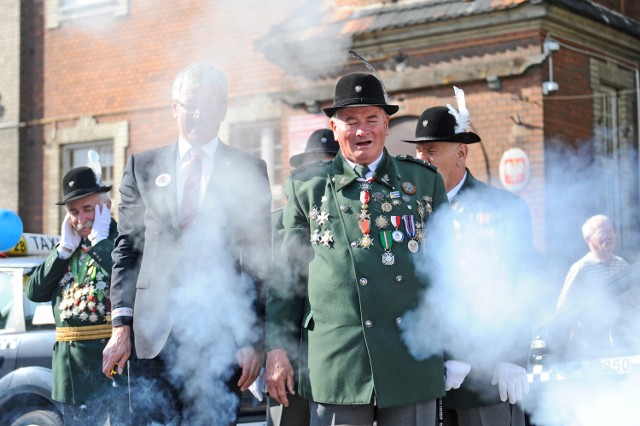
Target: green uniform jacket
column 347, row 317
column 77, row 366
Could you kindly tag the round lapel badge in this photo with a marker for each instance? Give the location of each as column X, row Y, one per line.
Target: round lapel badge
column 163, row 180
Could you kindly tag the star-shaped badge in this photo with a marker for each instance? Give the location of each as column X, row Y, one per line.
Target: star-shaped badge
column 327, row 238
column 322, row 217
column 315, row 237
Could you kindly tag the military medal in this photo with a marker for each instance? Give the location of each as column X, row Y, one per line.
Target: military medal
column 365, row 186
column 381, row 222
column 410, row 227
column 327, row 238
column 397, row 235
column 394, row 194
column 315, row 237
column 322, row 217
column 408, row 188
column 365, row 241
column 386, row 207
column 388, row 258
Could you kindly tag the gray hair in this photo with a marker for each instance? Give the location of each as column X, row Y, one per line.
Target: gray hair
column 196, row 75
column 589, row 226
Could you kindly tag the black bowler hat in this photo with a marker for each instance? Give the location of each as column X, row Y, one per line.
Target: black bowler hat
column 438, row 124
column 359, row 89
column 321, row 140
column 80, row 182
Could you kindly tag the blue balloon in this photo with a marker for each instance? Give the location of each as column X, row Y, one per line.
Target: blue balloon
column 10, row 229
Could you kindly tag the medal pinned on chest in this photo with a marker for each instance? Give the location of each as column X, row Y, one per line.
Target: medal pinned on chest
column 410, row 227
column 397, row 235
column 386, row 241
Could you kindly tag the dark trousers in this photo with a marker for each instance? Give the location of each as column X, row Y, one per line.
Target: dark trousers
column 110, row 409
column 296, row 414
column 156, row 398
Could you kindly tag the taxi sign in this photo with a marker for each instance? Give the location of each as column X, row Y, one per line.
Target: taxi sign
column 34, row 245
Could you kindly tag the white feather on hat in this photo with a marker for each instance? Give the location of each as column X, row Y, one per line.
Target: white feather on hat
column 94, row 164
column 462, row 115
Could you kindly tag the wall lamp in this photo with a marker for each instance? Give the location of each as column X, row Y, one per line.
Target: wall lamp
column 549, row 47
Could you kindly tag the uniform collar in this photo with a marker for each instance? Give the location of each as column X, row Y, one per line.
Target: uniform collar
column 454, row 191
column 344, row 173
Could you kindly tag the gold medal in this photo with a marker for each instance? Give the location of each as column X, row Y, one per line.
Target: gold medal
column 366, row 241
column 386, row 207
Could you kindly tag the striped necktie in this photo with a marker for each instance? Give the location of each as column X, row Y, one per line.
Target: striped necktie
column 362, row 170
column 191, row 193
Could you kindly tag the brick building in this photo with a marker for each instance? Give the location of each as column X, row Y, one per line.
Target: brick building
column 556, row 78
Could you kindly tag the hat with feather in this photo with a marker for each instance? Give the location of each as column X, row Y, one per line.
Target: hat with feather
column 82, row 181
column 445, row 124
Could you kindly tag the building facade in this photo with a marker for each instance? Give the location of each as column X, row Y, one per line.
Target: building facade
column 557, row 79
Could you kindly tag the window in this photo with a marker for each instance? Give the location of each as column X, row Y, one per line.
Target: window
column 77, row 155
column 264, row 140
column 68, row 149
column 65, row 10
column 615, row 149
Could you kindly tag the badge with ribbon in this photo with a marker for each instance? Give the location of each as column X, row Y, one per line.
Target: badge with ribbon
column 410, row 227
column 386, row 241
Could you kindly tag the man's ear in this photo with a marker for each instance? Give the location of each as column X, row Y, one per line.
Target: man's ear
column 463, row 151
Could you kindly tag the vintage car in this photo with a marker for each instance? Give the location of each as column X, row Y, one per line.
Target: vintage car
column 27, row 336
column 600, row 336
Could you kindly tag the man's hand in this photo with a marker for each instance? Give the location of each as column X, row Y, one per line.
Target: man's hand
column 279, row 375
column 69, row 238
column 251, row 363
column 512, row 381
column 101, row 222
column 454, row 374
column 117, row 351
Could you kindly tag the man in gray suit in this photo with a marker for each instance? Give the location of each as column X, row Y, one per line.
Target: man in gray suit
column 188, row 263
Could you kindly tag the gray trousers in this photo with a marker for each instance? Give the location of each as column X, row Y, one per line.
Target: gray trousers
column 501, row 414
column 422, row 414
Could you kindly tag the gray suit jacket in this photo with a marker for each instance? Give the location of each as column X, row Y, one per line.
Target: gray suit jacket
column 154, row 261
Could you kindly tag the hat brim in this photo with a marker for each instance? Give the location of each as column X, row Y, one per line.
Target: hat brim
column 76, row 195
column 300, row 159
column 389, row 109
column 463, row 137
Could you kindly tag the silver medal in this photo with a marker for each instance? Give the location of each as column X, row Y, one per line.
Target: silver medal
column 397, row 236
column 388, row 258
column 413, row 246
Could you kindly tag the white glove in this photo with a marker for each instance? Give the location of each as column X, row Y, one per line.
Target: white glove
column 455, row 373
column 69, row 239
column 512, row 381
column 101, row 222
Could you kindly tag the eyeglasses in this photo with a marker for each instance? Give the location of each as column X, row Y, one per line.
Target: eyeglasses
column 202, row 109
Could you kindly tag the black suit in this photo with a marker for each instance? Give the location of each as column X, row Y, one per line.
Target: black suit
column 157, row 266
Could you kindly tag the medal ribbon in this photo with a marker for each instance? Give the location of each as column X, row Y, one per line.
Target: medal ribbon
column 395, row 221
column 78, row 268
column 409, row 225
column 364, row 197
column 386, row 240
column 365, row 226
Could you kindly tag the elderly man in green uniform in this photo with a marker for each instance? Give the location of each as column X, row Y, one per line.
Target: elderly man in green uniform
column 498, row 222
column 75, row 277
column 353, row 227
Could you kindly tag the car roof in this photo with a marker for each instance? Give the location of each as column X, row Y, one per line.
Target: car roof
column 21, row 261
